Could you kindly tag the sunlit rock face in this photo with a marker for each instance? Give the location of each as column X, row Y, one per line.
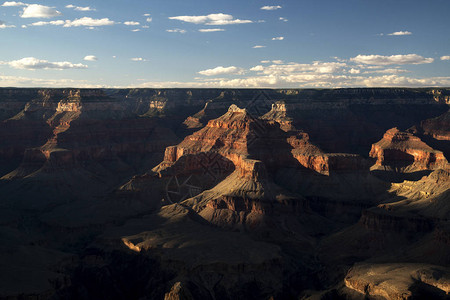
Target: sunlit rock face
column 406, row 150
column 224, row 194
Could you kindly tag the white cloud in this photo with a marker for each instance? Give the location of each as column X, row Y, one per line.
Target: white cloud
column 148, row 20
column 80, row 8
column 85, row 21
column 211, row 19
column 20, row 81
column 354, row 71
column 135, row 30
column 44, row 23
column 221, row 71
column 176, row 30
column 392, row 60
column 446, row 57
column 268, row 7
column 387, row 71
column 146, row 15
column 211, row 30
column 258, row 47
column 131, row 23
column 14, row 3
column 3, row 25
column 39, row 11
column 280, row 69
column 257, row 68
column 31, row 63
column 279, row 38
column 265, row 61
column 90, row 58
column 283, row 19
column 401, row 33
column 138, row 59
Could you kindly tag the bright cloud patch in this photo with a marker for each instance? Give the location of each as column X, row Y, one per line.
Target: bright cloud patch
column 211, row 30
column 176, row 30
column 31, row 63
column 381, row 60
column 39, row 11
column 131, row 23
column 3, row 25
column 267, row 7
column 90, row 58
column 211, row 19
column 279, row 38
column 446, row 57
column 86, row 21
column 258, row 47
column 138, row 59
column 80, row 8
column 221, row 71
column 14, row 3
column 401, row 33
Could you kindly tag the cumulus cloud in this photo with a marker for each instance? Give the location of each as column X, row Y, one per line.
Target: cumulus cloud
column 401, row 33
column 3, row 25
column 14, row 3
column 39, row 11
column 354, row 71
column 211, row 30
column 20, row 81
column 138, row 59
column 258, row 47
column 131, row 23
column 279, row 68
column 31, row 63
column 149, row 19
column 90, row 58
column 85, row 21
column 176, row 30
column 279, row 38
column 80, row 8
column 392, row 60
column 268, row 7
column 211, row 19
column 221, row 71
column 387, row 71
column 44, row 23
column 446, row 57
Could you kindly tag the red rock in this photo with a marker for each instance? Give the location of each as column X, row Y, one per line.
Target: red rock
column 404, row 149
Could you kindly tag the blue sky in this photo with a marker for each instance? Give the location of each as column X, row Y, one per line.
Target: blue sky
column 254, row 43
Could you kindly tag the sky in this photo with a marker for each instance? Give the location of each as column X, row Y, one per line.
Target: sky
column 224, row 44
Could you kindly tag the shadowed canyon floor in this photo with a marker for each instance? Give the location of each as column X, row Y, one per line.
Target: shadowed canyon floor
column 224, row 194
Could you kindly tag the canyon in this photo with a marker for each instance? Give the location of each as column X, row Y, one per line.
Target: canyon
column 224, row 193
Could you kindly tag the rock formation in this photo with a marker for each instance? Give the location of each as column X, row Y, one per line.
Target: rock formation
column 400, row 149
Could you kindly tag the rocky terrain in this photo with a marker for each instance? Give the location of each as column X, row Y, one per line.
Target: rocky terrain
column 224, row 194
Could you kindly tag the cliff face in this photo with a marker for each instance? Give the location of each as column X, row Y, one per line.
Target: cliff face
column 403, row 149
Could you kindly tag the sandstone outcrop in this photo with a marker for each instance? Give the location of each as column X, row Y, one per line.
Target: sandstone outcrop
column 399, row 281
column 405, row 151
